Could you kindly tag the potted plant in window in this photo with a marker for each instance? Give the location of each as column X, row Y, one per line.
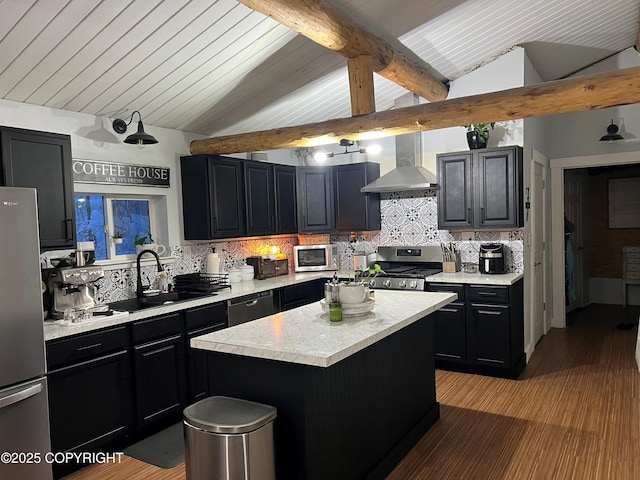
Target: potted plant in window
column 117, row 237
column 140, row 240
column 478, row 134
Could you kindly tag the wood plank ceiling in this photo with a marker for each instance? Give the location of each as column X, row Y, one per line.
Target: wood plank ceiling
column 217, row 67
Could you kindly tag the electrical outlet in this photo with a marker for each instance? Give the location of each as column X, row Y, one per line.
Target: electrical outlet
column 186, row 251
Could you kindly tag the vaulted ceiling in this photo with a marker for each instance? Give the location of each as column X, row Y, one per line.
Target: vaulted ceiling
column 219, row 68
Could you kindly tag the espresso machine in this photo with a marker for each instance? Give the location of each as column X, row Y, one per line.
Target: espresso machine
column 73, row 288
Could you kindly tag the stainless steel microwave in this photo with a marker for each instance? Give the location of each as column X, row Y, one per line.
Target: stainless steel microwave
column 313, row 258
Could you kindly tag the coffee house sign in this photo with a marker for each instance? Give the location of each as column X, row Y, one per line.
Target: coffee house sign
column 111, row 173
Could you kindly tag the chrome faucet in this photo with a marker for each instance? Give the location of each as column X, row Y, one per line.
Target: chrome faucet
column 139, row 282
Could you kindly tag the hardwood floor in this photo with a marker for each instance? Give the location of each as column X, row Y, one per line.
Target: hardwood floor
column 573, row 414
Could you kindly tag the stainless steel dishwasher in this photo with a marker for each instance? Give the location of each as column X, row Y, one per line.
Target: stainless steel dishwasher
column 249, row 307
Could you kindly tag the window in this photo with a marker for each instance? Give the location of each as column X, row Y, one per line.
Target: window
column 103, row 219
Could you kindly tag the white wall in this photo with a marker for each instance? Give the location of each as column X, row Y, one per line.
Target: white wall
column 92, row 138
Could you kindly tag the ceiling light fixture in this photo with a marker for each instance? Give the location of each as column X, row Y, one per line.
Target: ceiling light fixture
column 371, row 149
column 140, row 138
column 612, row 133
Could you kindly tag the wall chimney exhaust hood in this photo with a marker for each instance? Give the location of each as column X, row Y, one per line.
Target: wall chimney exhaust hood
column 408, row 174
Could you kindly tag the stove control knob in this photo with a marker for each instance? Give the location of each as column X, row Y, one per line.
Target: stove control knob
column 386, row 283
column 402, row 284
column 372, row 283
column 413, row 284
column 84, row 276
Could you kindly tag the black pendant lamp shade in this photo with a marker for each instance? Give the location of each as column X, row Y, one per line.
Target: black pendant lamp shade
column 139, row 138
column 612, row 134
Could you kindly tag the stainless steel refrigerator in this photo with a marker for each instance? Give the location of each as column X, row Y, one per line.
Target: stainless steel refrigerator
column 24, row 413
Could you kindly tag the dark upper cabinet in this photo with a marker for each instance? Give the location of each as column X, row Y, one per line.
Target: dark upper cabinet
column 212, row 197
column 315, row 199
column 480, row 189
column 270, row 196
column 42, row 161
column 354, row 210
column 259, row 198
column 285, row 199
column 455, row 197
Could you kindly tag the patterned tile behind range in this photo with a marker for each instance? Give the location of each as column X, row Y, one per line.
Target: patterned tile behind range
column 408, row 218
column 411, row 218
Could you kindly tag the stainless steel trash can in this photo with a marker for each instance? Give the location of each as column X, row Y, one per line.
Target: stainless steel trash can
column 229, row 439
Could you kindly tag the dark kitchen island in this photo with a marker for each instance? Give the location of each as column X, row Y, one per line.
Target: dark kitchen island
column 352, row 397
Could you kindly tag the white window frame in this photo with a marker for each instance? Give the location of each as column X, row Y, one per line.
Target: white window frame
column 118, row 260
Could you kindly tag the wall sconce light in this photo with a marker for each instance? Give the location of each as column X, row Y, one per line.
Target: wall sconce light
column 612, row 133
column 140, row 138
column 371, row 149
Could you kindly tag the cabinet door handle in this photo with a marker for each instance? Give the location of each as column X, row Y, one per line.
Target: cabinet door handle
column 68, row 224
column 88, row 347
column 482, row 215
column 469, row 213
column 489, row 312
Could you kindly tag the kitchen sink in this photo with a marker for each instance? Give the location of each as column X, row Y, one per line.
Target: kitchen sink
column 135, row 304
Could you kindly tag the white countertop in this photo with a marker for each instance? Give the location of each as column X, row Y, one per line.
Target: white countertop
column 53, row 330
column 305, row 335
column 476, row 278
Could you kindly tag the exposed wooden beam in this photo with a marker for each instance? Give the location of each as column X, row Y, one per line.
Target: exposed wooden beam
column 363, row 99
column 589, row 92
column 638, row 37
column 326, row 26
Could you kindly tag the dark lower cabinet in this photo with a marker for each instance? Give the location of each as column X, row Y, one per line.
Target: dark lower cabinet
column 485, row 333
column 42, row 160
column 159, row 366
column 200, row 321
column 293, row 296
column 90, row 394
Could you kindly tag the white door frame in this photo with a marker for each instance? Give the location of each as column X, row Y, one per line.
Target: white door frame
column 539, row 159
column 558, row 165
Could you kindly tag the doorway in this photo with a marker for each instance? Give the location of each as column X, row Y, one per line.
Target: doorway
column 558, row 168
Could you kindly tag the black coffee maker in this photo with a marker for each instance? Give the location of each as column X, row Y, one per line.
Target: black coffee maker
column 492, row 258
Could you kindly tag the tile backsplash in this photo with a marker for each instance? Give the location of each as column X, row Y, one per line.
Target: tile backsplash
column 408, row 218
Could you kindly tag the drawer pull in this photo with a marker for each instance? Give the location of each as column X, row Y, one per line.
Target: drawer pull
column 489, row 312
column 490, row 360
column 487, row 294
column 88, row 347
column 451, row 310
column 448, row 355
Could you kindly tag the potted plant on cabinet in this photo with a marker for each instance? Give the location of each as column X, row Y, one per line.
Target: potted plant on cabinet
column 478, row 134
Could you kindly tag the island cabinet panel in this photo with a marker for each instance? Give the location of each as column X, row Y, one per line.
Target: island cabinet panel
column 90, row 392
column 212, row 197
column 484, row 333
column 480, row 189
column 354, row 210
column 159, row 368
column 315, row 199
column 42, row 161
column 200, row 321
column 355, row 419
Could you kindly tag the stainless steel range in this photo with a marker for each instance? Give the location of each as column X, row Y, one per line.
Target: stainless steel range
column 407, row 267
